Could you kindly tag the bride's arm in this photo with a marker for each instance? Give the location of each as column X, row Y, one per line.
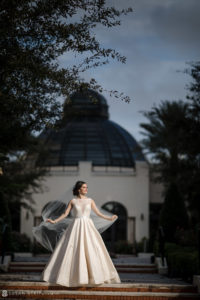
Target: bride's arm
column 64, row 215
column 96, row 210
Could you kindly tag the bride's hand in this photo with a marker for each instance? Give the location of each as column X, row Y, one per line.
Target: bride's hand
column 50, row 221
column 114, row 217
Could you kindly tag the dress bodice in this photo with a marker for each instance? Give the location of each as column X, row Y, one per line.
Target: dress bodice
column 81, row 207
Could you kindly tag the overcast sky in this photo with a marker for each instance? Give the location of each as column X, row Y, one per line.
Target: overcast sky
column 158, row 38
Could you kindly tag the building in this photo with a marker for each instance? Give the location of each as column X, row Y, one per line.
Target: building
column 89, row 146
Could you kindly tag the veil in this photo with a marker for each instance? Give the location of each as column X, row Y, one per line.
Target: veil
column 48, row 234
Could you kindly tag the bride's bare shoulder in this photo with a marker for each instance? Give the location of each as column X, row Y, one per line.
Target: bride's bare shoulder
column 72, row 201
column 91, row 200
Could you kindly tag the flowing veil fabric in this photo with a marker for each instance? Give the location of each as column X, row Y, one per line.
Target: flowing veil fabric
column 48, row 234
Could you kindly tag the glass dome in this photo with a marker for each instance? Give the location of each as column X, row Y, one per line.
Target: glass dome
column 88, row 135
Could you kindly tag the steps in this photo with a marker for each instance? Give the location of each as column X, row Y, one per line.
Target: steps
column 43, row 290
column 136, row 268
column 21, row 267
column 139, row 281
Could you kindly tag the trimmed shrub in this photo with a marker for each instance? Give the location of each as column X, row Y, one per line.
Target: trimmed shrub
column 123, row 247
column 39, row 249
column 142, row 245
column 20, row 242
column 182, row 261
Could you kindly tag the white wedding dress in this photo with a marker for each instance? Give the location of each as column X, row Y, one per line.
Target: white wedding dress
column 80, row 256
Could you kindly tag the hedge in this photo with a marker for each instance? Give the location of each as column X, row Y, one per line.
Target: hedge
column 182, row 261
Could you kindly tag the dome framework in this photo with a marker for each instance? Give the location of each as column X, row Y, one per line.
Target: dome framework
column 88, row 135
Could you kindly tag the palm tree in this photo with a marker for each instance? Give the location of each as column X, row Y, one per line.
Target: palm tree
column 165, row 137
column 164, row 140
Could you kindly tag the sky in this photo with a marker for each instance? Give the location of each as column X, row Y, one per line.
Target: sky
column 158, row 39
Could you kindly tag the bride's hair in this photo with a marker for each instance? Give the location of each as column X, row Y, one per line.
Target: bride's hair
column 77, row 186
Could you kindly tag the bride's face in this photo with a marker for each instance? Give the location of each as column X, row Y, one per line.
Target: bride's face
column 83, row 190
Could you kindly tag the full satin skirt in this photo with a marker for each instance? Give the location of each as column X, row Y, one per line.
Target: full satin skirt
column 80, row 257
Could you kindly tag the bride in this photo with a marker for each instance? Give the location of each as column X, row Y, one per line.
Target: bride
column 80, row 256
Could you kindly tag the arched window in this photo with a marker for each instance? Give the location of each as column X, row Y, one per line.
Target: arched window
column 118, row 231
